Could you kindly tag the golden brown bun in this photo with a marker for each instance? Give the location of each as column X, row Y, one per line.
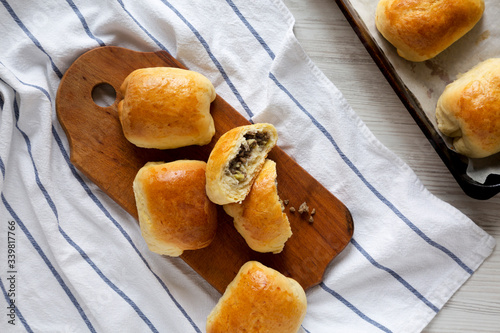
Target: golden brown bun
column 421, row 29
column 225, row 182
column 174, row 211
column 469, row 110
column 259, row 299
column 166, row 107
column 260, row 218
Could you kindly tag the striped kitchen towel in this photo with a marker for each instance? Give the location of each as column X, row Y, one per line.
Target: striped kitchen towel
column 73, row 261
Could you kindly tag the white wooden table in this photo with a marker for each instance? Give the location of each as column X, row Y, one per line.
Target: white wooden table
column 329, row 40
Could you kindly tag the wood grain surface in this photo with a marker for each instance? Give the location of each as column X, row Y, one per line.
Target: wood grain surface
column 328, row 39
column 101, row 152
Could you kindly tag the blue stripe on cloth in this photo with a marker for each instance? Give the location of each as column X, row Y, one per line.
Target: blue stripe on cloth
column 28, row 144
column 395, row 275
column 107, row 281
column 251, row 28
column 212, row 57
column 368, row 184
column 45, row 92
column 157, row 42
column 353, row 308
column 30, row 35
column 84, row 22
column 68, row 239
column 48, row 263
column 16, row 308
column 104, row 210
column 117, row 225
column 2, row 168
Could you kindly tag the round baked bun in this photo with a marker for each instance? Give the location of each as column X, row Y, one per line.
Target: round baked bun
column 469, row 110
column 175, row 213
column 165, row 107
column 236, row 160
column 259, row 299
column 421, row 29
column 260, row 218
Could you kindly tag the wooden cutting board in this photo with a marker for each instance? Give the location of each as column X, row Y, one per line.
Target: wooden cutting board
column 101, row 152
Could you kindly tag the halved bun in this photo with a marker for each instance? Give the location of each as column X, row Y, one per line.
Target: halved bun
column 236, row 160
column 260, row 218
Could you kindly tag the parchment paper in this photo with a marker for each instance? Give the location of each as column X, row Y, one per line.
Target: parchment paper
column 427, row 80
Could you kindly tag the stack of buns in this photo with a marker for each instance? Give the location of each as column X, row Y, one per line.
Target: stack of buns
column 165, row 108
column 243, row 180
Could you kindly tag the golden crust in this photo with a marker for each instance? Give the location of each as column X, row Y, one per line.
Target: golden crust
column 469, row 110
column 260, row 218
column 421, row 29
column 259, row 299
column 222, row 188
column 174, row 212
column 166, row 107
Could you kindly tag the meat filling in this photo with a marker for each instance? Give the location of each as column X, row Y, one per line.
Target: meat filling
column 238, row 165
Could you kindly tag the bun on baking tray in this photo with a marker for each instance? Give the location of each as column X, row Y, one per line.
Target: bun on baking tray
column 174, row 212
column 166, row 107
column 260, row 218
column 259, row 299
column 236, row 159
column 421, row 29
column 469, row 110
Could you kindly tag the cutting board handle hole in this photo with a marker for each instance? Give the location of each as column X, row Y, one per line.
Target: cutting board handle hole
column 104, row 95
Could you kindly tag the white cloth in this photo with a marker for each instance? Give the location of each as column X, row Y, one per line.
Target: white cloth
column 80, row 262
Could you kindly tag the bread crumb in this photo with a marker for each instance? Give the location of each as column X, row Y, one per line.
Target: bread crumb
column 303, row 208
column 311, row 219
column 313, row 211
column 286, row 201
column 292, row 209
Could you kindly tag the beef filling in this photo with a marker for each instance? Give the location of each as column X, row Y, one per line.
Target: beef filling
column 238, row 165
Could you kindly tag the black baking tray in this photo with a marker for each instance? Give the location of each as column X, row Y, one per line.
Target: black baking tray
column 456, row 163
